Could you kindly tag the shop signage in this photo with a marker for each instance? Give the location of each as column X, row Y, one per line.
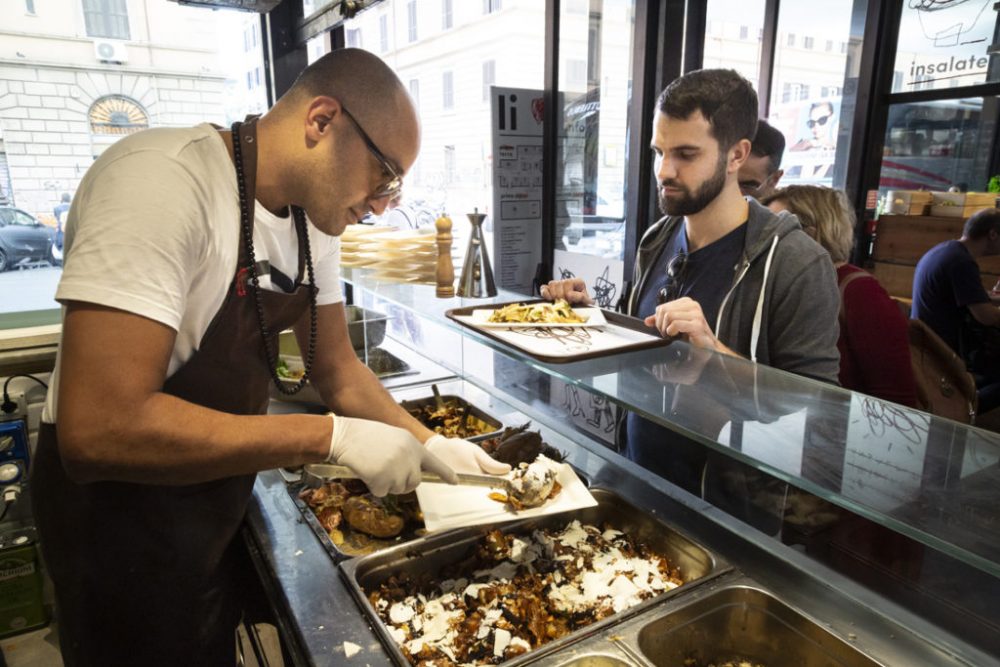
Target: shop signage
column 516, row 115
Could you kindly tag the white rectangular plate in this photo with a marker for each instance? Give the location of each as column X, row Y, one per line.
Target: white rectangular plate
column 446, row 506
column 595, row 318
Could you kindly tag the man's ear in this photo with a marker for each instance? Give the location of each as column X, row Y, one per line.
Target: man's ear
column 776, row 177
column 738, row 154
column 320, row 113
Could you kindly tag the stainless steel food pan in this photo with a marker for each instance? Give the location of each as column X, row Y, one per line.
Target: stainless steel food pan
column 748, row 623
column 595, row 660
column 415, row 405
column 433, row 552
column 366, row 327
column 355, row 542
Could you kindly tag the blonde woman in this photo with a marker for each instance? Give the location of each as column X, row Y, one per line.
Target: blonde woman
column 874, row 350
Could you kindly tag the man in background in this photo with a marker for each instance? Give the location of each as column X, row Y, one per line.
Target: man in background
column 60, row 212
column 759, row 175
column 948, row 295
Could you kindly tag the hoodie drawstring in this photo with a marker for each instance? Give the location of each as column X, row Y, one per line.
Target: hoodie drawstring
column 755, row 331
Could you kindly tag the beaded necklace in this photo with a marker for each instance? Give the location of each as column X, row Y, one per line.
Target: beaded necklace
column 299, row 216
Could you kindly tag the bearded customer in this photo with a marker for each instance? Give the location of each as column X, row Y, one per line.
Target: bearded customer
column 187, row 252
column 720, row 270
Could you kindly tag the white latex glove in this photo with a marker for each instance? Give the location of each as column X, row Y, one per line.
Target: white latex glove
column 465, row 456
column 387, row 458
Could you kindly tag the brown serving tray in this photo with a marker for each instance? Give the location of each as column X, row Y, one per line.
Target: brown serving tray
column 615, row 320
column 432, row 552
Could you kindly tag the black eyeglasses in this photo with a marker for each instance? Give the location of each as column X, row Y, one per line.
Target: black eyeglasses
column 819, row 121
column 395, row 183
column 675, row 272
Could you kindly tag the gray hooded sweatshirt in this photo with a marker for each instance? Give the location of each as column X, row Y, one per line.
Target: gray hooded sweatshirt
column 783, row 304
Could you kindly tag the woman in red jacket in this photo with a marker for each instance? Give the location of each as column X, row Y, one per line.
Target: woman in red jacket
column 873, row 344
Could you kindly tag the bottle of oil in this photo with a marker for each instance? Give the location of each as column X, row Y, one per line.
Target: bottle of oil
column 477, row 274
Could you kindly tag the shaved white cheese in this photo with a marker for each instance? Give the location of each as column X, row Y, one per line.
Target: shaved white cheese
column 501, row 640
column 350, row 649
column 401, row 613
column 398, row 634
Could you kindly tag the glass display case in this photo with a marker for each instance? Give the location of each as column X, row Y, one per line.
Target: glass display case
column 899, row 500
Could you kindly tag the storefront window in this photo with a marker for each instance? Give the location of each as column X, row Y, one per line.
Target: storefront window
column 940, row 144
column 64, row 100
column 733, row 36
column 946, row 44
column 595, row 66
column 807, row 84
column 448, row 70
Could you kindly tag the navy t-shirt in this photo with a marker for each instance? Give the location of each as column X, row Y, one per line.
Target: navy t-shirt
column 706, row 278
column 946, row 280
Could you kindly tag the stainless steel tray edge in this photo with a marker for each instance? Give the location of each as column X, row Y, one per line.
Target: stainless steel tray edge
column 475, row 411
column 465, row 537
column 623, row 641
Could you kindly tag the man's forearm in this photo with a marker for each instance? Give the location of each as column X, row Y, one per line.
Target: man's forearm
column 363, row 396
column 166, row 440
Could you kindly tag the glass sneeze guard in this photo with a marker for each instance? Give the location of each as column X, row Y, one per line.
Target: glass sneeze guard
column 932, row 479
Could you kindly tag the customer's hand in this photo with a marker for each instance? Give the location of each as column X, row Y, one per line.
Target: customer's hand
column 465, row 456
column 684, row 317
column 574, row 290
column 388, row 459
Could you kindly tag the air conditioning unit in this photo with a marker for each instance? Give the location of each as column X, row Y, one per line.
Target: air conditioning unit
column 107, row 50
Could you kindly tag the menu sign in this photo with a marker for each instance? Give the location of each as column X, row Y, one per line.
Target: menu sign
column 516, row 115
column 944, row 43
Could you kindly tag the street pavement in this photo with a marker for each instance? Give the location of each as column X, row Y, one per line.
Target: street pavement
column 29, row 289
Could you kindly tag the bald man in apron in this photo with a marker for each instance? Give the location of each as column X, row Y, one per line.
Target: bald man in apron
column 187, row 252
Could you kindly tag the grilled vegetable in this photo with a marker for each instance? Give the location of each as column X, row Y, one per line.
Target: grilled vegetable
column 559, row 312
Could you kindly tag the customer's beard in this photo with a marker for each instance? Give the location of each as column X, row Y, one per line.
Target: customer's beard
column 689, row 204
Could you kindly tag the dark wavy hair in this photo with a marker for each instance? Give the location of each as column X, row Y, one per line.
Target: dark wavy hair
column 769, row 143
column 726, row 100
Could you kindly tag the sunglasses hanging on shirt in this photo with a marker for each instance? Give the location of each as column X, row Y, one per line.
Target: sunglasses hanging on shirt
column 675, row 274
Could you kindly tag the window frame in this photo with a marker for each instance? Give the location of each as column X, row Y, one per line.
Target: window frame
column 447, row 15
column 101, row 16
column 448, row 90
column 412, row 34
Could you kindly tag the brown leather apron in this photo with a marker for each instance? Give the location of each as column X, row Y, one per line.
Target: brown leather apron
column 149, row 574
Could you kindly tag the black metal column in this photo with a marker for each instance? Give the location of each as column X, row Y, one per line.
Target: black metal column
column 768, row 47
column 550, row 138
column 287, row 55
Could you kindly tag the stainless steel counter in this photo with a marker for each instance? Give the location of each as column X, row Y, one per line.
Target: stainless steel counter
column 318, row 614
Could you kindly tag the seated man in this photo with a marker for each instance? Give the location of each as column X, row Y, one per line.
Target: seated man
column 948, row 294
column 759, row 175
column 720, row 270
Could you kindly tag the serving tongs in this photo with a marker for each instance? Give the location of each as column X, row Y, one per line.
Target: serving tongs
column 315, row 475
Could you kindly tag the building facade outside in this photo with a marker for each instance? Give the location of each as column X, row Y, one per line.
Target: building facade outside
column 76, row 76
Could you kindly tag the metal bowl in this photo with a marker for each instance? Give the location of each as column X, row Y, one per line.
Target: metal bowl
column 366, row 327
column 415, row 405
column 744, row 622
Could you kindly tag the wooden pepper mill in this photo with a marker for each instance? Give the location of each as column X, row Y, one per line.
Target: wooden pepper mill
column 445, row 268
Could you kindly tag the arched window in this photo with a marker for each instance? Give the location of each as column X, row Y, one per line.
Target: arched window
column 117, row 114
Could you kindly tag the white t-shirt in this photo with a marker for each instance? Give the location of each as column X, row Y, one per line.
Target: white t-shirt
column 154, row 230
